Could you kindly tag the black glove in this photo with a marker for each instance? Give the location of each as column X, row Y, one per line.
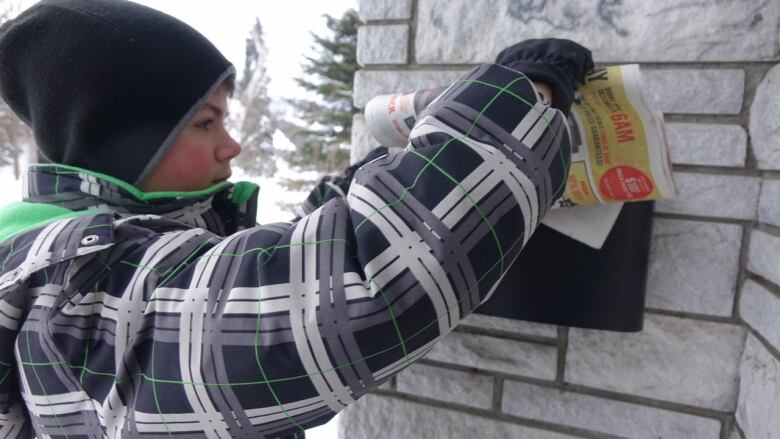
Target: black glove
column 561, row 64
column 345, row 179
column 324, row 190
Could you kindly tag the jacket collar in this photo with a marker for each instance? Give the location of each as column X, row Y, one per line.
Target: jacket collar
column 222, row 209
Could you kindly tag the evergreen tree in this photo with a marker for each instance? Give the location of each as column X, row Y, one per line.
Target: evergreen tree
column 15, row 136
column 330, row 75
column 251, row 117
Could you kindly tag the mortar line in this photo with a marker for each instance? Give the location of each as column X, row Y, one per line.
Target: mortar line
column 725, row 427
column 497, row 416
column 493, row 373
column 742, row 271
column 411, row 53
column 704, row 65
column 768, row 229
column 704, row 119
column 579, row 389
column 498, row 393
column 716, row 170
column 752, row 79
column 385, row 21
column 775, row 352
column 563, row 347
column 704, row 219
column 507, row 335
column 645, row 401
column 773, row 288
column 738, row 427
column 730, row 319
column 393, row 382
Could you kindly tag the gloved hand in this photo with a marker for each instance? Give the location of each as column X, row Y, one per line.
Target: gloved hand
column 345, row 179
column 331, row 186
column 561, row 64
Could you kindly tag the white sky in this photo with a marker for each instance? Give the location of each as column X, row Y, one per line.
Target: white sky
column 286, row 24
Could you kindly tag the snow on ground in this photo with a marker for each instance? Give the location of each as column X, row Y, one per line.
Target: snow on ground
column 10, row 188
column 273, row 195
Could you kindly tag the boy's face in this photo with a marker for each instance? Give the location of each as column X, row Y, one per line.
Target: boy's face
column 200, row 157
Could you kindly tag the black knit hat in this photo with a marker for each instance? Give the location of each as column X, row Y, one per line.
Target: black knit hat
column 106, row 85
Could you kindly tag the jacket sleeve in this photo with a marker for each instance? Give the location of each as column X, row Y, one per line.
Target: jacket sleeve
column 275, row 329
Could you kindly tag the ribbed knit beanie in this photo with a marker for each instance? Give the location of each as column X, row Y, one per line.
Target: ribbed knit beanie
column 106, row 85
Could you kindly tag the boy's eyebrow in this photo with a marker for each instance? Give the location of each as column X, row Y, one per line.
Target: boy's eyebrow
column 220, row 113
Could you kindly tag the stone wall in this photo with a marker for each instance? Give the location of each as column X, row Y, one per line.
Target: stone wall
column 707, row 364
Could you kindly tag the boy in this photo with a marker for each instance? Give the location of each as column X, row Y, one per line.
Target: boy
column 139, row 298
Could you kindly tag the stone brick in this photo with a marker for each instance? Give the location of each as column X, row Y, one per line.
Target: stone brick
column 694, row 266
column 759, row 392
column 385, row 9
column 673, row 359
column 707, row 144
column 362, row 142
column 370, row 83
column 769, row 203
column 497, row 354
column 383, row 44
column 467, row 388
column 764, row 124
column 761, row 310
column 510, row 325
column 602, row 415
column 722, row 196
column 379, row 417
column 460, row 31
column 764, row 255
column 710, row 91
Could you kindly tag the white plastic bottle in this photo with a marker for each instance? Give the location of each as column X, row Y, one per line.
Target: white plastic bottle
column 390, row 118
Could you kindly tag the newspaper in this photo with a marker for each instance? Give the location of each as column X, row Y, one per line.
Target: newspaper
column 619, row 151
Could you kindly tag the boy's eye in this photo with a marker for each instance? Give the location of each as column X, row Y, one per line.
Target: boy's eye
column 205, row 124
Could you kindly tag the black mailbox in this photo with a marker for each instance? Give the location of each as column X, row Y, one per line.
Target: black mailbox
column 561, row 281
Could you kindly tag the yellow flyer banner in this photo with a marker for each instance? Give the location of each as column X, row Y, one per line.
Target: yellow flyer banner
column 618, row 148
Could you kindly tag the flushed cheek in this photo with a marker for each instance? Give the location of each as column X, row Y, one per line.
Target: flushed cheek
column 184, row 172
column 196, row 165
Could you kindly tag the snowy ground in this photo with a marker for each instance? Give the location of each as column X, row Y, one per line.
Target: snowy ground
column 11, row 188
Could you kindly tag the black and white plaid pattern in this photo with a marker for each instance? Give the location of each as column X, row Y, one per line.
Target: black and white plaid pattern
column 155, row 322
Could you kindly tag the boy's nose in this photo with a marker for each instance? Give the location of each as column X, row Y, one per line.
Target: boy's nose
column 229, row 149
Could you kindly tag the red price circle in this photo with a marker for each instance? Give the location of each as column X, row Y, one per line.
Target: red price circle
column 624, row 183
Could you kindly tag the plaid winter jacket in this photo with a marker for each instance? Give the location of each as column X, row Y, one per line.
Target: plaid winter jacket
column 148, row 315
